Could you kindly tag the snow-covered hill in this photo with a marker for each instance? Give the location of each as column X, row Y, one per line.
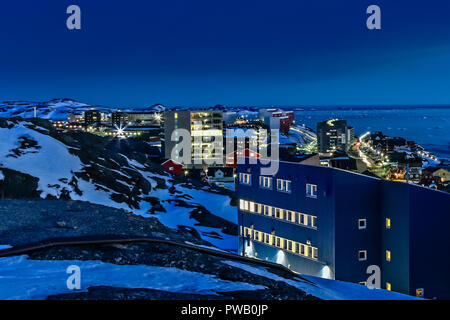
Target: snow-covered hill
column 59, row 109
column 115, row 173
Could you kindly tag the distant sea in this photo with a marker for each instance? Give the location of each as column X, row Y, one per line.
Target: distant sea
column 428, row 126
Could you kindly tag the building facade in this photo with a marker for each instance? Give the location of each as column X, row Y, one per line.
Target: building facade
column 334, row 135
column 331, row 223
column 206, row 132
column 92, row 117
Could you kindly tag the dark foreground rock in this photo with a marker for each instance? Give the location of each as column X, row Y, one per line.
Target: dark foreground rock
column 26, row 221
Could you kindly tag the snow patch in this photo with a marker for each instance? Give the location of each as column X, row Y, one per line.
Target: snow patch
column 22, row 278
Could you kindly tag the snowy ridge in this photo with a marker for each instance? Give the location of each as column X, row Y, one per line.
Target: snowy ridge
column 59, row 109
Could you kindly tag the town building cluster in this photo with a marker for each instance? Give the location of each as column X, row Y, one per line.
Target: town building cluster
column 337, row 205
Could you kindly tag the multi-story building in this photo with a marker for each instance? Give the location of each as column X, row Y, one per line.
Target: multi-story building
column 277, row 119
column 206, row 131
column 334, row 135
column 119, row 119
column 331, row 223
column 136, row 119
column 92, row 117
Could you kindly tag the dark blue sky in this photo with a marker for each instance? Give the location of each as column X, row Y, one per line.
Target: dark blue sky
column 207, row 52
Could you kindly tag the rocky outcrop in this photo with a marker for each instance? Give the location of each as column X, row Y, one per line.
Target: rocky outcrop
column 17, row 185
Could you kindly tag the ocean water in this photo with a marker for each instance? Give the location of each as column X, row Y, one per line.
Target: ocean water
column 428, row 126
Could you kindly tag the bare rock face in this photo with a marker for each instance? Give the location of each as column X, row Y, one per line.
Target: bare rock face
column 18, row 185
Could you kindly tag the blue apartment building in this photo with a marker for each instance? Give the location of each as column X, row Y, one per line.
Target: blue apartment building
column 331, row 223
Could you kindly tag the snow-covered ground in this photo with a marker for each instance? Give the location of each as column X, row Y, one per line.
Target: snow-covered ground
column 21, row 278
column 327, row 289
column 50, row 161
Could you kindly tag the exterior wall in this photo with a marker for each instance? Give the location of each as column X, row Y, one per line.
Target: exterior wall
column 429, row 242
column 395, row 205
column 322, row 207
column 183, row 121
column 356, row 197
column 417, row 238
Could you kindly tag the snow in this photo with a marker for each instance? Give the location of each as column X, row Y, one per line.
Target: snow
column 175, row 216
column 4, row 246
column 2, row 177
column 63, row 165
column 49, row 169
column 22, row 278
column 217, row 204
column 327, row 289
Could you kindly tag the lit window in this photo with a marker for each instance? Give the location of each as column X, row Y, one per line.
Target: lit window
column 361, row 223
column 419, row 292
column 252, row 207
column 277, row 213
column 388, row 286
column 176, row 115
column 362, row 255
column 388, row 255
column 289, row 245
column 315, row 253
column 265, row 182
column 278, row 242
column 388, row 223
column 302, row 218
column 244, row 178
column 311, row 190
column 241, row 204
column 314, row 222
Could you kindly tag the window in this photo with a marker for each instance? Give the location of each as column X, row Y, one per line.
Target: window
column 265, row 182
column 244, row 178
column 388, row 255
column 314, row 222
column 277, row 242
column 252, row 207
column 388, row 223
column 315, row 253
column 419, row 292
column 289, row 245
column 311, row 190
column 267, row 211
column 362, row 255
column 288, row 215
column 283, row 185
column 361, row 224
column 277, row 213
column 388, row 286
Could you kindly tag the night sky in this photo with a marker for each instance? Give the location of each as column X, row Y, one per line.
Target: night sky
column 231, row 52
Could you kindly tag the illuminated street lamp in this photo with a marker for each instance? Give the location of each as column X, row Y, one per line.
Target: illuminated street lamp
column 120, row 131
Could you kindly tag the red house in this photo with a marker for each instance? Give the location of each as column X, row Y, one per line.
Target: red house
column 173, row 167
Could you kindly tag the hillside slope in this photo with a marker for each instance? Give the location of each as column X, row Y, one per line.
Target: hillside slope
column 38, row 161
